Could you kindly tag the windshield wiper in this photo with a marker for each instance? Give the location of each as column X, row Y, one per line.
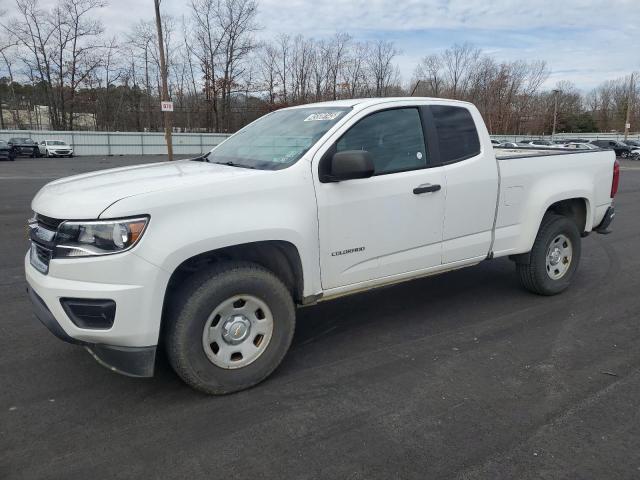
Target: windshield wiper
column 233, row 164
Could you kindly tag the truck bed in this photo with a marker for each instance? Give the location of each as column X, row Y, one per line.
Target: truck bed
column 528, row 188
column 503, row 153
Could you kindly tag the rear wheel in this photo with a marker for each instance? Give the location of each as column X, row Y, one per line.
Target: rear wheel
column 554, row 258
column 229, row 327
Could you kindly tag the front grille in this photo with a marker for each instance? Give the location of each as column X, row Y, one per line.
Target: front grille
column 43, row 254
column 48, row 222
column 42, row 233
column 40, row 257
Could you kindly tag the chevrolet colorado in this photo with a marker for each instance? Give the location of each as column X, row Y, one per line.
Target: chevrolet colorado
column 209, row 257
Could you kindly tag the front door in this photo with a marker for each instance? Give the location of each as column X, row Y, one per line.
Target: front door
column 388, row 224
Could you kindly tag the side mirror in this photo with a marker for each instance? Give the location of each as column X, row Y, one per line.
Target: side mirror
column 349, row 165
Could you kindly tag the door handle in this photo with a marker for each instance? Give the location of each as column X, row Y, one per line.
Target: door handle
column 426, row 188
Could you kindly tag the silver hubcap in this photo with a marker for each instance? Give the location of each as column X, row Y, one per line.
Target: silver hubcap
column 237, row 332
column 559, row 257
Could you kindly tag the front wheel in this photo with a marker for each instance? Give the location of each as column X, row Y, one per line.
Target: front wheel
column 624, row 154
column 229, row 327
column 554, row 257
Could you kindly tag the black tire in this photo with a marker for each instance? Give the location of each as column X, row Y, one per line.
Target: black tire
column 192, row 305
column 533, row 275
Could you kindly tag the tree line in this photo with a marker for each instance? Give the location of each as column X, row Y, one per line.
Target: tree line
column 224, row 73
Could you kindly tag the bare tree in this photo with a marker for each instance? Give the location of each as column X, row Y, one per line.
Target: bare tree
column 268, row 59
column 381, row 67
column 284, row 47
column 458, row 61
column 429, row 72
column 236, row 20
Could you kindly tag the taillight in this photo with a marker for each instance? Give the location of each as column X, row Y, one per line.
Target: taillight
column 616, row 179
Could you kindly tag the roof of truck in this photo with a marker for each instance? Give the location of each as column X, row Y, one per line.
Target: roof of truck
column 367, row 102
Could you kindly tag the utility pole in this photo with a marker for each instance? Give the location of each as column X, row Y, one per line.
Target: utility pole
column 415, row 88
column 555, row 112
column 166, row 115
column 627, row 125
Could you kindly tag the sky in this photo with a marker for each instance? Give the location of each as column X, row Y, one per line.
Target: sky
column 585, row 42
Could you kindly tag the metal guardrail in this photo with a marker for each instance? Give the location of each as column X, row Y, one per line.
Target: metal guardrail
column 560, row 136
column 123, row 143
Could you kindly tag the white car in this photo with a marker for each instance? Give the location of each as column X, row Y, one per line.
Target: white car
column 209, row 257
column 55, row 148
column 579, row 146
column 541, row 144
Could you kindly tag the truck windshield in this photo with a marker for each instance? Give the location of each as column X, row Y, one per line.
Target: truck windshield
column 277, row 140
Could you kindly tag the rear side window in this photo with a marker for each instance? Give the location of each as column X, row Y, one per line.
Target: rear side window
column 457, row 134
column 394, row 139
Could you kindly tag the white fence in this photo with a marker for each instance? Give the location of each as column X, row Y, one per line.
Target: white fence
column 124, row 143
column 153, row 143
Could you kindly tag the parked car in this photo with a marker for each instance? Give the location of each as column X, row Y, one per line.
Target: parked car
column 495, row 143
column 635, row 148
column 6, row 152
column 620, row 148
column 55, row 148
column 509, row 145
column 24, row 146
column 209, row 257
column 573, row 140
column 580, row 146
column 540, row 143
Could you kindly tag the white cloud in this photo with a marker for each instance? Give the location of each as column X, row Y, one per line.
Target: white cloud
column 584, row 41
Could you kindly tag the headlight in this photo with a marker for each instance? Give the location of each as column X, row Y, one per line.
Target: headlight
column 101, row 237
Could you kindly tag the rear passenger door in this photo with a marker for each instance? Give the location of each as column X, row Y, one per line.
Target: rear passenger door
column 471, row 175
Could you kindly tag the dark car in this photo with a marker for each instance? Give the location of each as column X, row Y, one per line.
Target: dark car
column 24, row 146
column 6, row 153
column 620, row 148
column 632, row 143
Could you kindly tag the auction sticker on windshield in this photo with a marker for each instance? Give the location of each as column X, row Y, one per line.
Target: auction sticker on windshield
column 322, row 116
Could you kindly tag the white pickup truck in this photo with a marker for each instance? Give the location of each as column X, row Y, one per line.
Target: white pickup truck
column 209, row 257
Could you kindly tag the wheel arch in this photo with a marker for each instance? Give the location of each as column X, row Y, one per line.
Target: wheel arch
column 280, row 257
column 576, row 208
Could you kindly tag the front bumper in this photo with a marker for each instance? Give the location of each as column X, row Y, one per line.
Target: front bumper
column 129, row 345
column 59, row 153
column 131, row 361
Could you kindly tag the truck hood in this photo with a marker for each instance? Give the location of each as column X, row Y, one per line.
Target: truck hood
column 86, row 196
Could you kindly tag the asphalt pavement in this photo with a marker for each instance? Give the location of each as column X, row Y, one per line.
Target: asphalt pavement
column 463, row 375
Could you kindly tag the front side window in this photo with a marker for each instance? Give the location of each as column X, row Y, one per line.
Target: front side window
column 394, row 138
column 277, row 140
column 457, row 135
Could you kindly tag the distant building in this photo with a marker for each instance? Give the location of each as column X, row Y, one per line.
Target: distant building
column 38, row 119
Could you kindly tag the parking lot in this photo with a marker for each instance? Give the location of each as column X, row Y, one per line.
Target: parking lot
column 463, row 375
